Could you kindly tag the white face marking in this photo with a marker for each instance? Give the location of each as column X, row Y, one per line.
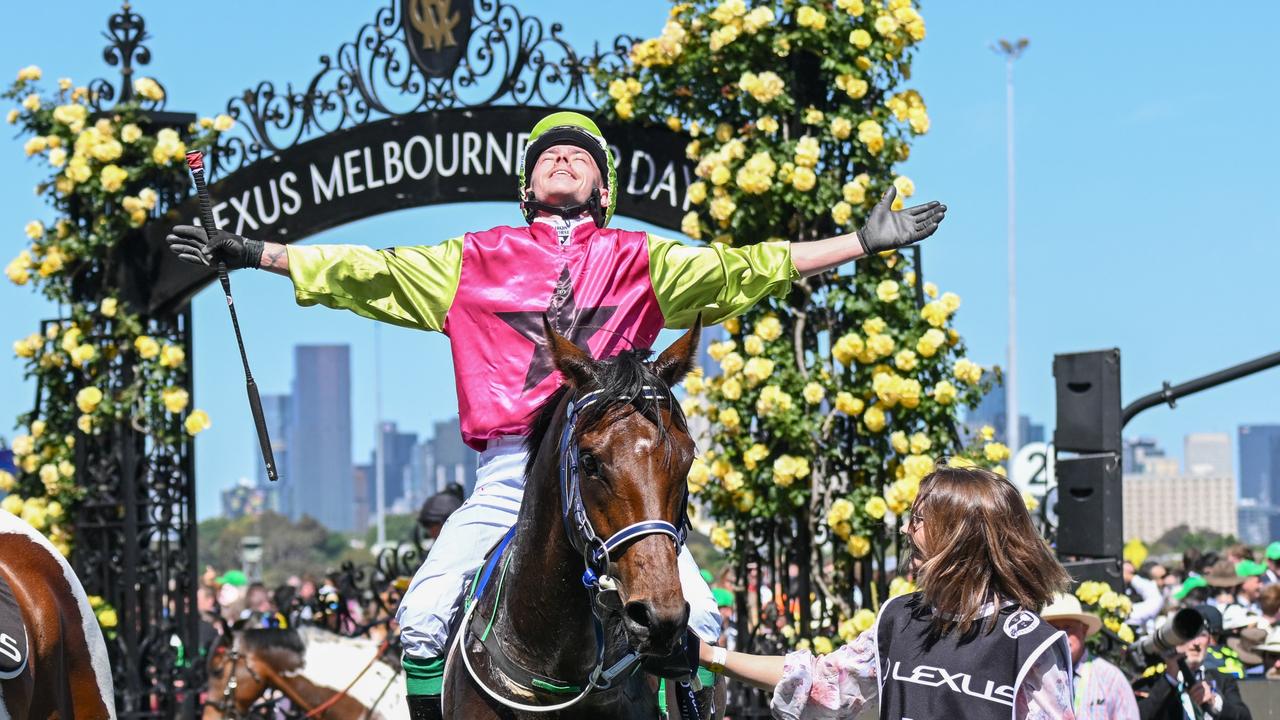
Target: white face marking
column 12, row 524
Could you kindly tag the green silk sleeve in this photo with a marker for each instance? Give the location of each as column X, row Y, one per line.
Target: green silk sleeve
column 409, row 286
column 717, row 281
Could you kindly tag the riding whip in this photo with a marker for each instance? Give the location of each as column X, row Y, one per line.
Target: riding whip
column 195, row 161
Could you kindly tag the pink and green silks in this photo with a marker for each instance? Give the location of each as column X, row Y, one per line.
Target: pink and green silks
column 607, row 290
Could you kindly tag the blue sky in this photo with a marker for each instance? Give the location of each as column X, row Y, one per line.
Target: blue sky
column 1146, row 167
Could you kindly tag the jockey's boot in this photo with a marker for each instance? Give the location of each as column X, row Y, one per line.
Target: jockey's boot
column 423, row 679
column 425, row 707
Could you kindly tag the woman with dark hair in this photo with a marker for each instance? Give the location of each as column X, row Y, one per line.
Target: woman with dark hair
column 969, row 644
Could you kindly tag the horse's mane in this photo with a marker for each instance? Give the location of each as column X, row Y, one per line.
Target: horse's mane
column 622, row 379
column 284, row 646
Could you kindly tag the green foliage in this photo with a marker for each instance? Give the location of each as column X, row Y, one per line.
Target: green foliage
column 833, row 404
column 288, row 548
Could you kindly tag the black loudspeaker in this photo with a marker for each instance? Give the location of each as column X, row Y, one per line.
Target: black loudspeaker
column 1088, row 398
column 1090, row 506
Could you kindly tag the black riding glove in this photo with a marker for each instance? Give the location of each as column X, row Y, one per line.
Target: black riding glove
column 889, row 230
column 191, row 245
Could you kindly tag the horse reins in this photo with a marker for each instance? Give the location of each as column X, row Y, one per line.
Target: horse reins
column 596, row 554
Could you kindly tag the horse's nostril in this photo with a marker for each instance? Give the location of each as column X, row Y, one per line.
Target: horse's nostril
column 641, row 613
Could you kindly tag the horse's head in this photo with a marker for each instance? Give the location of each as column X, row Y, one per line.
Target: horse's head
column 237, row 663
column 633, row 456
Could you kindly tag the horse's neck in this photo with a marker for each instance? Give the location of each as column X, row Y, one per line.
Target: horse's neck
column 545, row 613
column 301, row 690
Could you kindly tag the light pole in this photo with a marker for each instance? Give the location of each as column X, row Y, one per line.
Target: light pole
column 1011, row 51
column 380, row 481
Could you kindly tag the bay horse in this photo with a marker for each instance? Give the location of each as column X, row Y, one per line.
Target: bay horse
column 53, row 659
column 323, row 674
column 606, row 491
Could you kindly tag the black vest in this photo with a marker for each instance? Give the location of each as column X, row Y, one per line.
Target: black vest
column 975, row 677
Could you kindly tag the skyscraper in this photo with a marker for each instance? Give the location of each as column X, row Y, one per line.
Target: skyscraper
column 397, row 449
column 454, row 461
column 319, row 440
column 1208, row 454
column 991, row 411
column 1259, row 485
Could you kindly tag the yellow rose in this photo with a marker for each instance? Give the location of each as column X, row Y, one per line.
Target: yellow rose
column 875, row 507
column 223, row 123
column 841, row 511
column 49, row 474
column 807, row 152
column 803, row 179
column 57, row 157
column 873, row 418
column 196, row 422
column 83, row 354
column 731, row 389
column 887, row 290
column 753, row 345
column 950, row 302
column 767, row 124
column 841, row 128
column 810, row 18
column 860, row 39
column 900, row 586
column 31, row 102
column 967, row 371
column 721, row 538
column 730, row 419
column 886, row 25
column 944, row 393
column 107, row 151
column 930, row 342
column 107, row 618
column 847, row 348
column 814, row 393
column 172, row 356
column 731, row 364
column 699, row 474
column 146, row 346
column 881, row 345
column 720, row 175
column 698, row 193
column 995, row 452
column 35, row 145
column 689, row 225
column 88, row 399
column 130, row 133
column 12, row 504
column 858, row 546
column 108, row 307
column 148, row 88
column 898, row 440
column 841, row 212
column 113, row 177
column 757, row 370
column 920, row 443
column 29, row 73
column 7, row 481
column 905, row 360
column 722, row 209
column 174, row 399
column 906, row 188
column 769, row 328
column 848, row 404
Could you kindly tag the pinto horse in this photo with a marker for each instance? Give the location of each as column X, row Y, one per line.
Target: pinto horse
column 323, row 674
column 53, row 659
column 605, row 492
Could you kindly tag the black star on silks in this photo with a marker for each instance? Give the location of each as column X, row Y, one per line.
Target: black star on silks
column 578, row 325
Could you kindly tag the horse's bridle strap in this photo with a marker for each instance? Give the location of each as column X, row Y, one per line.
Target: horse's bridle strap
column 636, row 531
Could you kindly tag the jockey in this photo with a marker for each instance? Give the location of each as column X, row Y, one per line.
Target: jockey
column 604, row 289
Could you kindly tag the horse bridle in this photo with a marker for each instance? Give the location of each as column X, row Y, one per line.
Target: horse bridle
column 227, row 705
column 596, row 553
column 582, row 536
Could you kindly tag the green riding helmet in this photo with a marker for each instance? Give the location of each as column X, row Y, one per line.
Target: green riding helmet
column 569, row 128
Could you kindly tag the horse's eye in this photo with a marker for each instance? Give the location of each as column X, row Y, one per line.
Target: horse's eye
column 587, row 462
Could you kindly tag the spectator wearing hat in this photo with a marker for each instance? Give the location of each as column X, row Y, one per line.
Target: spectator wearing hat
column 1166, row 695
column 1193, row 591
column 1218, row 656
column 1222, row 577
column 1250, row 588
column 1145, row 596
column 1269, row 649
column 437, row 509
column 726, row 603
column 1272, row 576
column 1101, row 690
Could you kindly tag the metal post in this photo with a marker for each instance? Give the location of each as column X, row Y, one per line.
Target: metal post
column 1011, row 52
column 380, row 492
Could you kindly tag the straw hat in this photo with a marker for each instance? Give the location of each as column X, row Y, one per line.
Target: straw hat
column 1249, row 643
column 1067, row 607
column 1222, row 574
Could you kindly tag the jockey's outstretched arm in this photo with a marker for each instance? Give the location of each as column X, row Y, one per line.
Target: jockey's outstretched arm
column 885, row 230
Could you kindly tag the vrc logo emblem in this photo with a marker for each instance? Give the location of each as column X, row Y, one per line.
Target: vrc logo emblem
column 1020, row 623
column 436, row 33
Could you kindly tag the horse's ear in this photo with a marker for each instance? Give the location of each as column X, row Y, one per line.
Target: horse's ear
column 572, row 361
column 677, row 360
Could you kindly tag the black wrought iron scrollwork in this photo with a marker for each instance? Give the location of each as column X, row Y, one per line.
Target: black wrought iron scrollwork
column 510, row 59
column 126, row 32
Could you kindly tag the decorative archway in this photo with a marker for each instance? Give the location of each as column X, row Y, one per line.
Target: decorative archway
column 428, row 104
